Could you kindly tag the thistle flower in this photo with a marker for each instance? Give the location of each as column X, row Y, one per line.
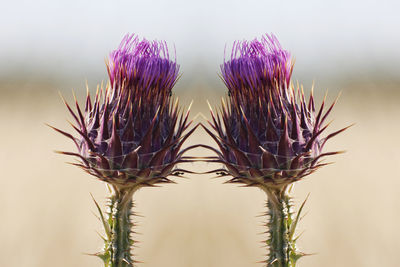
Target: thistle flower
column 268, row 135
column 131, row 134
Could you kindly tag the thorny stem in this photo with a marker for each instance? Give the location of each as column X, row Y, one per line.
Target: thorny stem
column 281, row 240
column 118, row 228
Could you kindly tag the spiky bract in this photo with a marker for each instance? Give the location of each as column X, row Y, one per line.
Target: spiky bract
column 131, row 133
column 268, row 134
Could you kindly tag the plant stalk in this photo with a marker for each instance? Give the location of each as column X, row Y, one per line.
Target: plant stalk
column 281, row 228
column 118, row 229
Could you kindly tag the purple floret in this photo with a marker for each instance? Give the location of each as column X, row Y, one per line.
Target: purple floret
column 142, row 64
column 257, row 65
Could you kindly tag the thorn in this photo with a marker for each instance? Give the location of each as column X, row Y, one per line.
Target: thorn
column 190, row 105
column 105, row 224
column 299, row 235
column 209, row 106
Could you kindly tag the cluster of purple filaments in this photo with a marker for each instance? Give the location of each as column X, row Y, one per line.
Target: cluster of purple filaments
column 142, row 64
column 257, row 64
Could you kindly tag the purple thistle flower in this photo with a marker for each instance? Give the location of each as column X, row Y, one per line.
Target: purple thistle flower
column 132, row 133
column 267, row 133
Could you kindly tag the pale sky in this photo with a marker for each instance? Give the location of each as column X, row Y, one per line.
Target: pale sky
column 74, row 37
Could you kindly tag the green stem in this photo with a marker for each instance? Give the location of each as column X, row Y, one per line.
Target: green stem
column 118, row 228
column 281, row 241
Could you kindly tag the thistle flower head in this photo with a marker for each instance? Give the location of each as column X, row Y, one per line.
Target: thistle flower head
column 256, row 66
column 268, row 134
column 131, row 134
column 143, row 65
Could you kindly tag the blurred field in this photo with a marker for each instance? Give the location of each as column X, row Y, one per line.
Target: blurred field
column 46, row 209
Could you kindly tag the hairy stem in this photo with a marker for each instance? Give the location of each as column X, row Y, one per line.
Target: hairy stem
column 281, row 241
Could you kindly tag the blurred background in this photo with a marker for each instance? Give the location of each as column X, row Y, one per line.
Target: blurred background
column 50, row 46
